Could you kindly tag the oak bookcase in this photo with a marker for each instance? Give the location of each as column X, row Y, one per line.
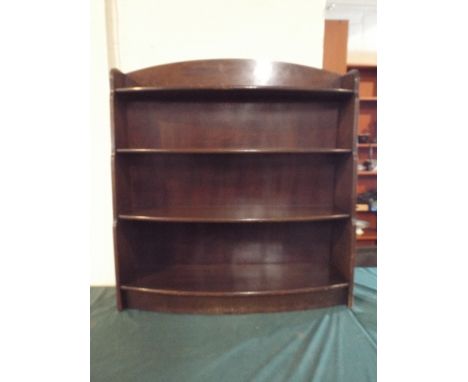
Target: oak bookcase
column 234, row 186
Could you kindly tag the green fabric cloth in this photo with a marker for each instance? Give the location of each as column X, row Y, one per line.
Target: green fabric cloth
column 332, row 344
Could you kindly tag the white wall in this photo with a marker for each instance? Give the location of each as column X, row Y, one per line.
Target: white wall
column 160, row 31
column 101, row 261
column 144, row 33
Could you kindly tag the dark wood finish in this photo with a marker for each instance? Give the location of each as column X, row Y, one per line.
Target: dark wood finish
column 149, row 245
column 343, row 240
column 237, row 279
column 233, row 93
column 271, row 150
column 234, row 125
column 117, row 79
column 233, row 214
column 244, row 185
column 234, row 186
column 235, row 304
column 335, row 46
column 234, row 73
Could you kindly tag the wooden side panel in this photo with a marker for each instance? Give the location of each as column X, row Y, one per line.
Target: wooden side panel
column 117, row 79
column 347, row 120
column 335, row 46
column 343, row 242
column 345, row 199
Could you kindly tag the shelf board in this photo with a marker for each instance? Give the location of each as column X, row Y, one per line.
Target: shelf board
column 361, row 66
column 233, row 151
column 366, row 212
column 235, row 214
column 367, row 173
column 368, row 99
column 369, row 234
column 332, row 94
column 366, row 145
column 237, row 279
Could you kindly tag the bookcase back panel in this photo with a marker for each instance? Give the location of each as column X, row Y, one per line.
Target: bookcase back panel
column 256, row 181
column 150, row 245
column 255, row 124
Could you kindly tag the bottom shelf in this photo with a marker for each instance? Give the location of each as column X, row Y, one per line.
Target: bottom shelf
column 239, row 288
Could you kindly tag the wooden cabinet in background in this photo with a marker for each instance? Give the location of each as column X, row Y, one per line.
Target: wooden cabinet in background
column 234, row 186
column 335, row 46
column 367, row 127
column 335, row 59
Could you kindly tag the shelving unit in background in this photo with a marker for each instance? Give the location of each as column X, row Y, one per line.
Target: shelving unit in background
column 367, row 180
column 232, row 196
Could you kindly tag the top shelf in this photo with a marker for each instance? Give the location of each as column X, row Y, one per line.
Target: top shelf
column 193, row 150
column 233, row 91
column 361, row 66
column 368, row 99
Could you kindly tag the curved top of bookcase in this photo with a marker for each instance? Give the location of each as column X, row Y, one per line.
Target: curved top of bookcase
column 233, row 73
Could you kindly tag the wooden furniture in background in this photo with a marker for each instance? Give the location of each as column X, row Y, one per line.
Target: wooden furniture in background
column 367, row 180
column 234, row 186
column 335, row 46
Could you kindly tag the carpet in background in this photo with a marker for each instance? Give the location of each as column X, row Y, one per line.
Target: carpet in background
column 322, row 345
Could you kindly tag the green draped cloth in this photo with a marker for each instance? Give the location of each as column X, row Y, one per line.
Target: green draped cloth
column 322, row 345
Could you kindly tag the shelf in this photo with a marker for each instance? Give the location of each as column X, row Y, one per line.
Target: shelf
column 368, row 99
column 366, row 212
column 369, row 234
column 366, row 145
column 361, row 66
column 238, row 279
column 251, row 91
column 233, row 151
column 235, row 214
column 367, row 173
